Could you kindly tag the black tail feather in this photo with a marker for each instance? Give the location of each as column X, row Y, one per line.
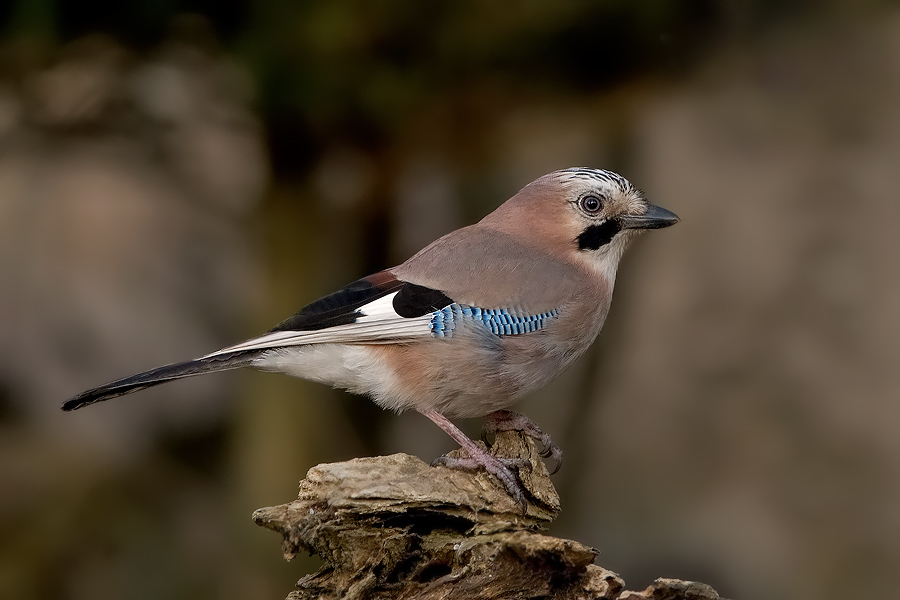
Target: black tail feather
column 159, row 375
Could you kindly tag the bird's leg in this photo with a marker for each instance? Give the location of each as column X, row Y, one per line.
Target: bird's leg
column 507, row 420
column 479, row 458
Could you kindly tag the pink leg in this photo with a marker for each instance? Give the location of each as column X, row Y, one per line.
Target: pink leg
column 479, row 458
column 507, row 420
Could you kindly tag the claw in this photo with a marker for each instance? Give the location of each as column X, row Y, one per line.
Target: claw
column 558, row 466
column 507, row 420
column 479, row 458
column 484, row 438
column 501, row 468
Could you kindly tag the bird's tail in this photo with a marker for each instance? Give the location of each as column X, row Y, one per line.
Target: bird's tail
column 120, row 387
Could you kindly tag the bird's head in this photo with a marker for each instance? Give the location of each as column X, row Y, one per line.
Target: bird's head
column 586, row 215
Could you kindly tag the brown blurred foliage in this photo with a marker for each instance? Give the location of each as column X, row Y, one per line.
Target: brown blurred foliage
column 177, row 176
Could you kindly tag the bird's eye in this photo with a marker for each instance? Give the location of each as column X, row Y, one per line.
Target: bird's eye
column 591, row 204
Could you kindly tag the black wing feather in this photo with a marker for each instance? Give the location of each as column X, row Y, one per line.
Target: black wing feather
column 416, row 300
column 342, row 307
column 159, row 375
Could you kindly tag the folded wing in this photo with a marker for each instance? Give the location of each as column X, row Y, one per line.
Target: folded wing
column 378, row 309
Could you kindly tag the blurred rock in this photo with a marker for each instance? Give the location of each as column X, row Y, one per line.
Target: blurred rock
column 81, row 89
column 426, row 205
column 673, row 589
column 122, row 188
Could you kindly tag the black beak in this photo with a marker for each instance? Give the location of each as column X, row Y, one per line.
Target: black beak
column 656, row 217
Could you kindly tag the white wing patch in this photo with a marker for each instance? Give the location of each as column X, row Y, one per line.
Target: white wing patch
column 380, row 309
column 379, row 324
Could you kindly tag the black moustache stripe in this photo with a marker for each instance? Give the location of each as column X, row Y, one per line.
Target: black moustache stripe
column 598, row 235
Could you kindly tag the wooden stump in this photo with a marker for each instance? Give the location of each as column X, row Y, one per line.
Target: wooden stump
column 394, row 527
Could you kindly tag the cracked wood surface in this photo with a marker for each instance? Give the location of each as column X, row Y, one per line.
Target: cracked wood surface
column 395, row 527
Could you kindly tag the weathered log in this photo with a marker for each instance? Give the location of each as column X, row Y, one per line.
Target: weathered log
column 394, row 527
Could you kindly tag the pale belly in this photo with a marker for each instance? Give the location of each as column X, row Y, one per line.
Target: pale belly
column 465, row 376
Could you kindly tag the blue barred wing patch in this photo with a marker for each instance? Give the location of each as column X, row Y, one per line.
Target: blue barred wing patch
column 499, row 320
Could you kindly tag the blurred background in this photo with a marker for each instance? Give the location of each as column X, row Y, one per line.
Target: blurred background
column 179, row 175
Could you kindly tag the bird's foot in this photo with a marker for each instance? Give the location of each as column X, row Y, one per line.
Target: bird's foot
column 501, row 468
column 507, row 420
column 480, row 458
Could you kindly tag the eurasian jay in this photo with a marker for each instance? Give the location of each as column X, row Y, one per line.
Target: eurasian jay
column 470, row 324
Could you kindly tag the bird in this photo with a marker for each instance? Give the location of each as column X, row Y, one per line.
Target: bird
column 467, row 326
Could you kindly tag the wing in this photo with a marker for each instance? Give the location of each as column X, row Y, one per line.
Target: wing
column 516, row 288
column 377, row 309
column 374, row 310
column 480, row 267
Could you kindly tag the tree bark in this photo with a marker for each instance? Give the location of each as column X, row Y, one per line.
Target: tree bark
column 394, row 527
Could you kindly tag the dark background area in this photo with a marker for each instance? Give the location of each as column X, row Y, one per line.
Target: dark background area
column 178, row 176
